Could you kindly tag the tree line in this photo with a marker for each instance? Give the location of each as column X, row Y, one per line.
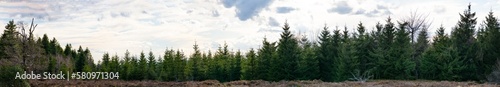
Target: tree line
column 392, row 50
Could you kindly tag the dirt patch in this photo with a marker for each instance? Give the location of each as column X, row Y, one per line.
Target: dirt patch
column 257, row 83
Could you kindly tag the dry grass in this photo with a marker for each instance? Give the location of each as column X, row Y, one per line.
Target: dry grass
column 256, row 83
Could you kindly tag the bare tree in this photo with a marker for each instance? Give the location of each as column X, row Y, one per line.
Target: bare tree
column 31, row 51
column 416, row 22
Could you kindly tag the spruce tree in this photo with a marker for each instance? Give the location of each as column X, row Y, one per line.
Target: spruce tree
column 194, row 64
column 143, row 67
column 288, row 54
column 402, row 53
column 151, row 69
column 105, row 63
column 308, row 64
column 267, row 65
column 363, row 47
column 489, row 52
column 421, row 46
column 250, row 68
column 324, row 55
column 462, row 37
column 10, row 46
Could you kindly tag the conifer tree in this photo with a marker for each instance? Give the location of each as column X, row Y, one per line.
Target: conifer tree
column 462, row 37
column 151, row 69
column 488, row 37
column 250, row 68
column 308, row 64
column 324, row 55
column 288, row 54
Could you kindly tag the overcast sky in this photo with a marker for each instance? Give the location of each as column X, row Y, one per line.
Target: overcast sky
column 153, row 25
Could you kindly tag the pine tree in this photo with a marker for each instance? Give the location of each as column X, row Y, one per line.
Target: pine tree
column 46, row 44
column 114, row 64
column 143, row 67
column 308, row 64
column 10, row 46
column 440, row 62
column 126, row 67
column 402, row 52
column 384, row 39
column 250, row 66
column 267, row 65
column 288, row 54
column 346, row 62
column 421, row 46
column 105, row 63
column 489, row 52
column 80, row 63
column 236, row 64
column 325, row 55
column 363, row 47
column 67, row 50
column 151, row 70
column 193, row 67
column 336, row 42
column 179, row 67
column 169, row 65
column 462, row 37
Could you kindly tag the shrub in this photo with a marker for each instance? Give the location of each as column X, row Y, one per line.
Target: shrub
column 8, row 74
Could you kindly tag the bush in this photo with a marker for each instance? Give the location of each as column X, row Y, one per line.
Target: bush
column 8, row 74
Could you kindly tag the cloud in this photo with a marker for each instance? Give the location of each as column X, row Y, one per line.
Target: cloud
column 273, row 22
column 342, row 8
column 368, row 8
column 284, row 10
column 359, row 12
column 215, row 13
column 439, row 9
column 246, row 9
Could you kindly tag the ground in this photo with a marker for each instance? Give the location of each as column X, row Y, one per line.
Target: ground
column 258, row 83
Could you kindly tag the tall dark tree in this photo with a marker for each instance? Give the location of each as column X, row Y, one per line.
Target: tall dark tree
column 488, row 38
column 363, row 46
column 324, row 52
column 267, row 65
column 402, row 53
column 193, row 67
column 9, row 43
column 67, row 50
column 236, row 66
column 142, row 68
column 288, row 54
column 250, row 68
column 151, row 69
column 462, row 37
column 105, row 62
column 336, row 42
column 384, row 39
column 440, row 62
column 421, row 45
column 308, row 64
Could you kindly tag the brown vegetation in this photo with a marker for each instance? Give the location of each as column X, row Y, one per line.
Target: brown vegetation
column 258, row 83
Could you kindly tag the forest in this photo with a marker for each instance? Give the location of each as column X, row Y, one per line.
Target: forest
column 394, row 49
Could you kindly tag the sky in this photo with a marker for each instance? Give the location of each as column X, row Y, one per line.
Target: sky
column 114, row 26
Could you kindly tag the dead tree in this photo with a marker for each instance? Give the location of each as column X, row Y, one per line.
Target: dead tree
column 416, row 22
column 30, row 49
